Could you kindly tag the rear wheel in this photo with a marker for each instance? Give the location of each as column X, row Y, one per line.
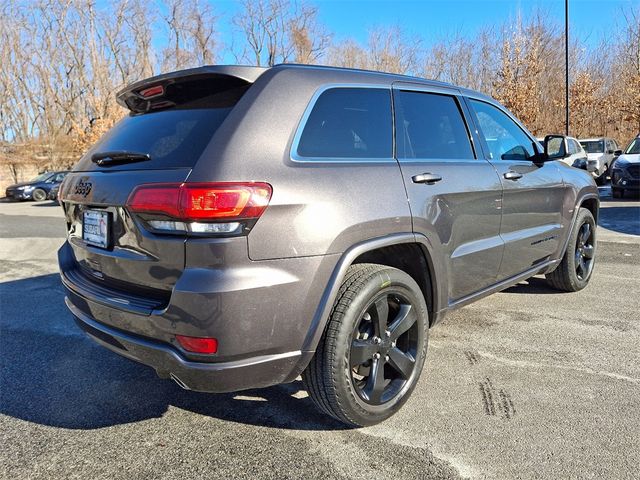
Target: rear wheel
column 372, row 351
column 575, row 270
column 39, row 195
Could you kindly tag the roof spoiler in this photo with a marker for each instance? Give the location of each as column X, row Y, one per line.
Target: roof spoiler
column 147, row 94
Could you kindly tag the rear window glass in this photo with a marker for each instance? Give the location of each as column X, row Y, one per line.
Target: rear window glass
column 173, row 137
column 596, row 146
column 430, row 126
column 349, row 123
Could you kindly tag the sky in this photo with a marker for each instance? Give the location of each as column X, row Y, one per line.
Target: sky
column 589, row 20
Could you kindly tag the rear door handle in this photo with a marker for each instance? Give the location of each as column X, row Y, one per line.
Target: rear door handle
column 510, row 175
column 428, row 178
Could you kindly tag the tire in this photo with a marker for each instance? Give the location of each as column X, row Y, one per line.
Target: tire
column 617, row 192
column 577, row 264
column 347, row 377
column 602, row 179
column 39, row 195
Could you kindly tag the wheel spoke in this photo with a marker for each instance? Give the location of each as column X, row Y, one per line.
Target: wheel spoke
column 375, row 382
column 578, row 258
column 381, row 315
column 404, row 321
column 361, row 351
column 587, row 251
column 402, row 362
column 582, row 267
column 585, row 232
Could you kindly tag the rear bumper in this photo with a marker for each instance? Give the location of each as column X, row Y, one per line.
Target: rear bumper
column 219, row 377
column 260, row 312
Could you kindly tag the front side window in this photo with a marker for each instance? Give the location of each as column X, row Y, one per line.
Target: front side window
column 349, row 123
column 430, row 126
column 505, row 139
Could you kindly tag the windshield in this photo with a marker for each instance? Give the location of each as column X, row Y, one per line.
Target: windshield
column 42, row 177
column 634, row 147
column 594, row 146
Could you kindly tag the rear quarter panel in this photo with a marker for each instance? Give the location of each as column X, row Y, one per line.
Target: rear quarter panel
column 317, row 208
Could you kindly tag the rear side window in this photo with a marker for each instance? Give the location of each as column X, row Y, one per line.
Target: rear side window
column 348, row 123
column 430, row 126
column 505, row 139
column 174, row 136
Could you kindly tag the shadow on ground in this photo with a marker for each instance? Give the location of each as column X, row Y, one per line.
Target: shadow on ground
column 51, row 374
column 622, row 219
column 537, row 285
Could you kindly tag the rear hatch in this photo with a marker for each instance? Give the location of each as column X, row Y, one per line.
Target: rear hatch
column 172, row 119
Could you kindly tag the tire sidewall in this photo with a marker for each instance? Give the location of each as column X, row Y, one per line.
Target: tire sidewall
column 385, row 281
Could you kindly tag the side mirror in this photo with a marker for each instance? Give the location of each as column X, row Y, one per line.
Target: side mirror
column 555, row 147
column 617, row 153
column 609, row 152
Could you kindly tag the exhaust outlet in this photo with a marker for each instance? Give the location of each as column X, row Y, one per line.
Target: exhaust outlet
column 180, row 383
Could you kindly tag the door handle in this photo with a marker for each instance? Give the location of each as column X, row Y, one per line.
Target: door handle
column 428, row 178
column 511, row 175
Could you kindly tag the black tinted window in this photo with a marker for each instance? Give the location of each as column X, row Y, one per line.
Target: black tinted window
column 349, row 123
column 505, row 139
column 430, row 125
column 174, row 136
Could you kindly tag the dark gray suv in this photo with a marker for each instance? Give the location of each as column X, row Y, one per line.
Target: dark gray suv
column 243, row 226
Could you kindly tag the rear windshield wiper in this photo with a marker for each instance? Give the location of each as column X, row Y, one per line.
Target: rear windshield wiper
column 121, row 156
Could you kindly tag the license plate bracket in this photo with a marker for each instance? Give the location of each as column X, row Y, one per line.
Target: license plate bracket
column 96, row 228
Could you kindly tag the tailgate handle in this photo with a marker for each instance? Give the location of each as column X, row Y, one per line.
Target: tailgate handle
column 428, row 178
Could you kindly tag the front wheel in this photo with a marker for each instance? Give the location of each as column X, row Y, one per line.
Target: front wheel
column 39, row 195
column 576, row 267
column 373, row 349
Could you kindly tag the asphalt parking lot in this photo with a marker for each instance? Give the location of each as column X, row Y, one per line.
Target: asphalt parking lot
column 528, row 383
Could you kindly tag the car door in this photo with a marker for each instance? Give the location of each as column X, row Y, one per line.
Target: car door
column 533, row 192
column 454, row 195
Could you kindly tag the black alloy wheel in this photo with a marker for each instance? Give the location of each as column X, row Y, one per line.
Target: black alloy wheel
column 384, row 348
column 584, row 252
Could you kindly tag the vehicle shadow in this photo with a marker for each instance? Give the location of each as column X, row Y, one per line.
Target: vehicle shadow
column 48, row 203
column 622, row 219
column 51, row 374
column 537, row 285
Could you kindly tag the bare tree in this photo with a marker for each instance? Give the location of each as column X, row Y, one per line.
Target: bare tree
column 388, row 49
column 278, row 31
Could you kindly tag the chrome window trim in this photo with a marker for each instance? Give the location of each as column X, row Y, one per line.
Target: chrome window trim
column 297, row 158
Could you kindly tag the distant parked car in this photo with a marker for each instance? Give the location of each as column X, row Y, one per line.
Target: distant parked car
column 53, row 193
column 601, row 154
column 575, row 154
column 37, row 189
column 625, row 173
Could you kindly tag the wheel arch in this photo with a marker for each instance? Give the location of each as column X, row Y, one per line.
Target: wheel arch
column 392, row 250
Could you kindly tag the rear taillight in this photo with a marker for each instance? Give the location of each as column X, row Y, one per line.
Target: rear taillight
column 202, row 208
